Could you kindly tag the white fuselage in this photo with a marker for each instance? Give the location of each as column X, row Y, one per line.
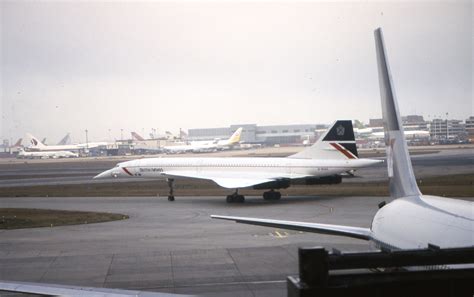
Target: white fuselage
column 413, row 222
column 193, row 147
column 198, row 146
column 51, row 148
column 251, row 167
column 408, row 134
column 47, row 154
column 67, row 147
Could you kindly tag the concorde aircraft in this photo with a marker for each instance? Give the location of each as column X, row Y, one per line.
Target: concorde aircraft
column 334, row 153
column 412, row 220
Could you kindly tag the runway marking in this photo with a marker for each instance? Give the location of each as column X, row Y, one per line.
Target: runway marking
column 279, row 234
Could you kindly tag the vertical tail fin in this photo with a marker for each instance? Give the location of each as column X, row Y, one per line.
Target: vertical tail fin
column 35, row 142
column 235, row 137
column 400, row 171
column 18, row 143
column 66, row 140
column 136, row 136
column 337, row 143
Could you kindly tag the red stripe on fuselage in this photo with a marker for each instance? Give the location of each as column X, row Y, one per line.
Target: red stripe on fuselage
column 342, row 150
column 126, row 171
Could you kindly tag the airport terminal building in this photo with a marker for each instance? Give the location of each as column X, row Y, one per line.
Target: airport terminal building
column 266, row 135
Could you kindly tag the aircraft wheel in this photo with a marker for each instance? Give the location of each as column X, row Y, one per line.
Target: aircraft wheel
column 266, row 195
column 240, row 198
column 170, row 198
column 271, row 195
column 229, row 199
column 276, row 196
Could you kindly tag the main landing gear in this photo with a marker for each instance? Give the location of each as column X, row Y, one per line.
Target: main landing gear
column 170, row 182
column 271, row 195
column 235, row 197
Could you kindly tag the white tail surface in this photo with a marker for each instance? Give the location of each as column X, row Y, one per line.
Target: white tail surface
column 34, row 142
column 402, row 182
column 66, row 140
column 136, row 136
column 338, row 143
column 235, row 137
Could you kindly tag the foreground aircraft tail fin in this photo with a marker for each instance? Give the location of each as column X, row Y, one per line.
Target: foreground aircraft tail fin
column 337, row 143
column 235, row 137
column 402, row 180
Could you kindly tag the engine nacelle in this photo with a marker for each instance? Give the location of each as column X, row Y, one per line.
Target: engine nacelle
column 323, row 180
column 279, row 184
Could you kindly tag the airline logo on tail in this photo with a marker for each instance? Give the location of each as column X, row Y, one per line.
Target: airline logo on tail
column 340, row 130
column 341, row 137
column 34, row 141
column 337, row 143
column 345, row 148
column 236, row 136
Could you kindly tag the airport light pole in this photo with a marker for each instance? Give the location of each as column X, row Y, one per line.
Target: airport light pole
column 121, row 135
column 447, row 131
column 87, row 140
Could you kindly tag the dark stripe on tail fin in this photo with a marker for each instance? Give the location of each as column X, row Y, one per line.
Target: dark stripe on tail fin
column 343, row 150
column 341, row 131
column 332, row 144
column 351, row 147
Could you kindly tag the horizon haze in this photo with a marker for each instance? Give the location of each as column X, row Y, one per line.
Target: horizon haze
column 71, row 66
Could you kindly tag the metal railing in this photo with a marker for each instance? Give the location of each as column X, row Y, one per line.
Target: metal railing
column 422, row 272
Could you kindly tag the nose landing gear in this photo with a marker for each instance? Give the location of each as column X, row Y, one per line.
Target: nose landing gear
column 170, row 182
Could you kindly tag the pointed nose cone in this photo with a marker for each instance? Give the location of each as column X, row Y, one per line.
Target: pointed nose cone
column 105, row 174
column 111, row 173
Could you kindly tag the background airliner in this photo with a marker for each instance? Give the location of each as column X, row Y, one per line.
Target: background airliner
column 46, row 154
column 412, row 220
column 334, row 153
column 37, row 145
column 205, row 146
column 368, row 132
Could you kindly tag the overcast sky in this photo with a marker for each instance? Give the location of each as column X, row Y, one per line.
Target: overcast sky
column 67, row 67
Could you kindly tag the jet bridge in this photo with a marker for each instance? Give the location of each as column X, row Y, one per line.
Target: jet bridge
column 422, row 272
